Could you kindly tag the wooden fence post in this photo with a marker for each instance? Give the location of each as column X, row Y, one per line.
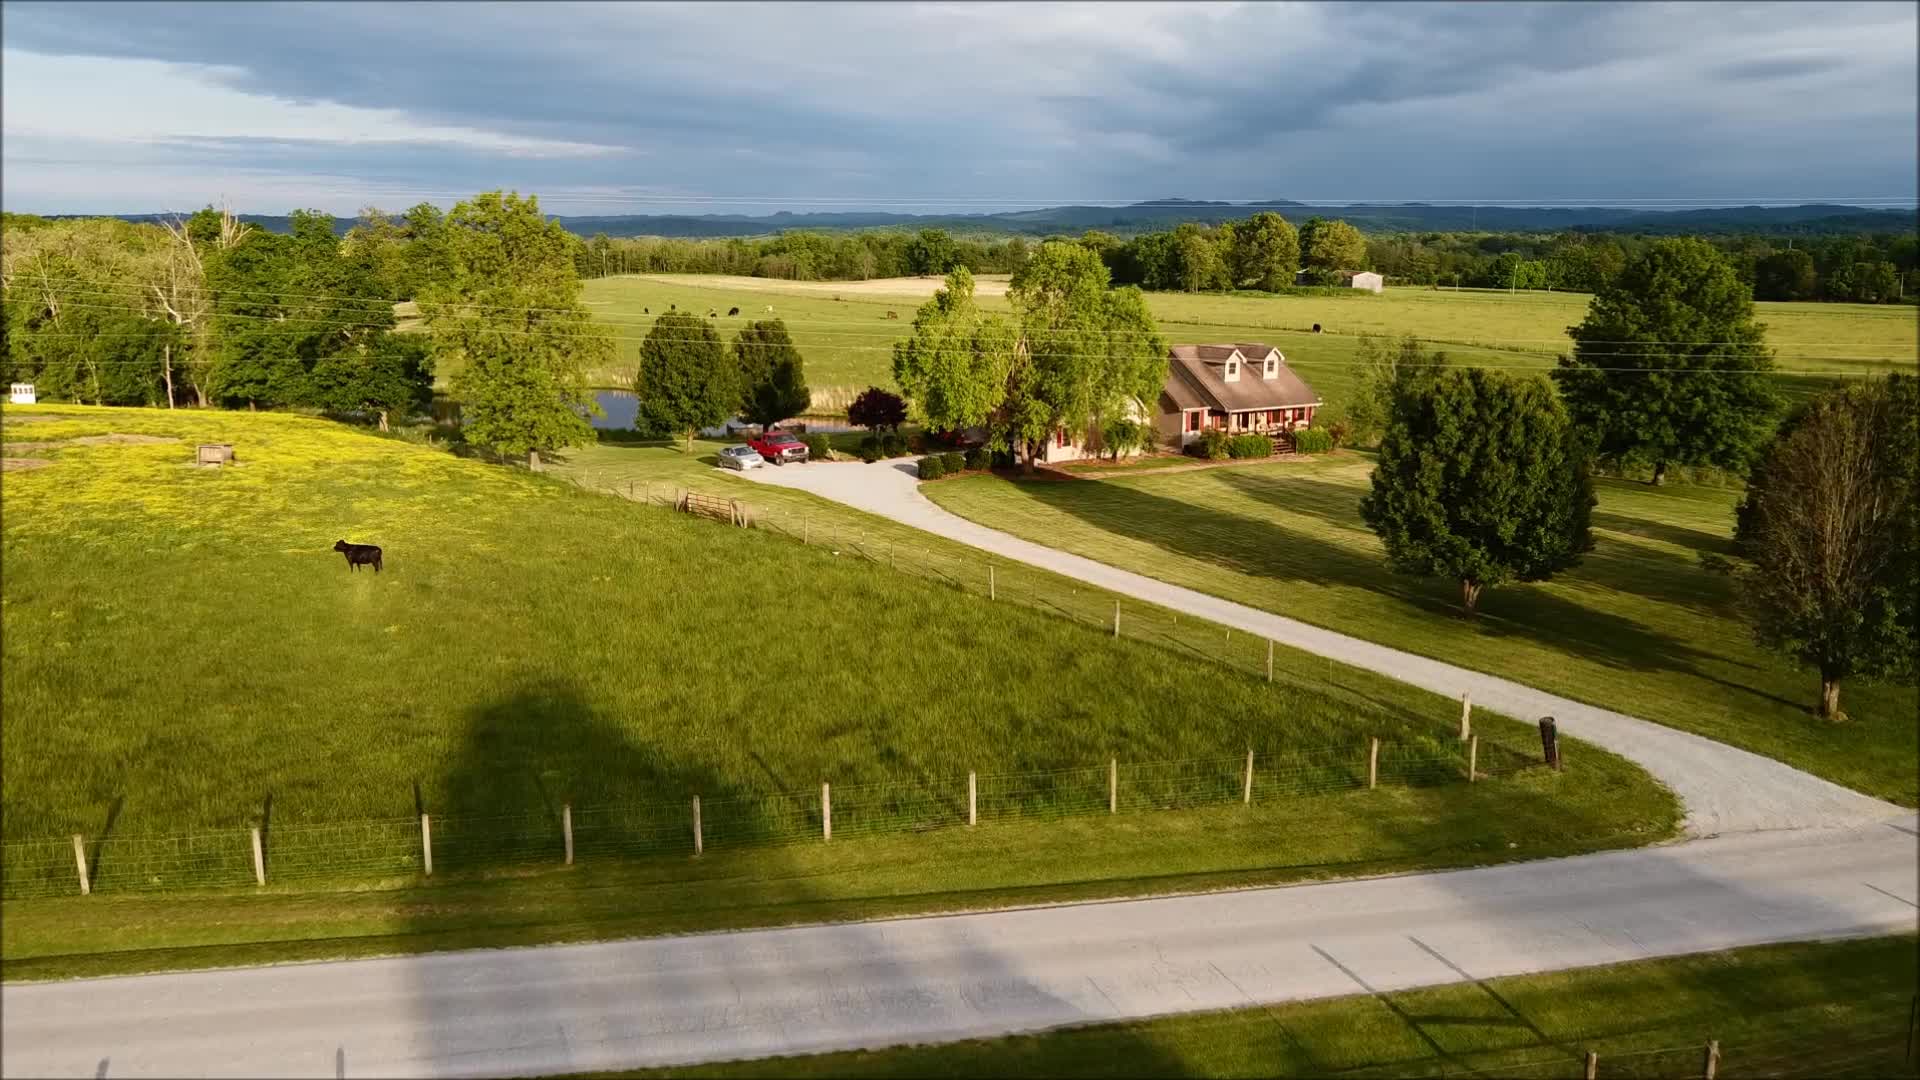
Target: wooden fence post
column 699, row 839
column 259, row 859
column 972, row 799
column 1473, row 758
column 1116, row 618
column 1246, row 789
column 566, row 829
column 1269, row 659
column 806, row 530
column 991, row 592
column 1593, row 1065
column 1712, row 1064
column 1113, row 785
column 826, row 811
column 1466, row 716
column 1373, row 762
column 426, row 844
column 80, row 862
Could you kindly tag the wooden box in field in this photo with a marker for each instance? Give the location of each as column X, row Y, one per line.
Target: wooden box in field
column 216, row 454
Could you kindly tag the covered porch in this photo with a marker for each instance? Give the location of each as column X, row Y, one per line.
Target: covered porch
column 1255, row 421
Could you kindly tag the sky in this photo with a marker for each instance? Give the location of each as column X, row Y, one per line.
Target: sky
column 748, row 108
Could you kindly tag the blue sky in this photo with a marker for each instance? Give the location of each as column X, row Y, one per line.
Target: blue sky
column 616, row 108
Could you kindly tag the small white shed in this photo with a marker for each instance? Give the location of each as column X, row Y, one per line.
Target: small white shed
column 22, row 394
column 1366, row 279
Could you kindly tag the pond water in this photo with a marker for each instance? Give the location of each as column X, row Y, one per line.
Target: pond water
column 620, row 409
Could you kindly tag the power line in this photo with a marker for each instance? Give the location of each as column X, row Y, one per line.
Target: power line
column 864, row 325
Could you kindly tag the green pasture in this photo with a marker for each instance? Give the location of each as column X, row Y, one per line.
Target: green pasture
column 847, row 341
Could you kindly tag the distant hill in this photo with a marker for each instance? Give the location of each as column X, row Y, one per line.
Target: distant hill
column 1810, row 219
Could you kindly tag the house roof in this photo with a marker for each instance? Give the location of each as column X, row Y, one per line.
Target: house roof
column 1196, row 378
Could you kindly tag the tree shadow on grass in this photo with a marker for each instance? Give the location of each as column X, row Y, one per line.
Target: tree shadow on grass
column 1268, row 550
column 541, row 747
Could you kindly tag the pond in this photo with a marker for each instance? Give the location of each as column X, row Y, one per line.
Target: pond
column 619, row 409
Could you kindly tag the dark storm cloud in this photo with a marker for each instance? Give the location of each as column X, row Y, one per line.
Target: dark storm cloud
column 958, row 105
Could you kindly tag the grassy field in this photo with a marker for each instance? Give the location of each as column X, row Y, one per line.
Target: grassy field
column 847, row 339
column 1640, row 626
column 1836, row 1009
column 184, row 652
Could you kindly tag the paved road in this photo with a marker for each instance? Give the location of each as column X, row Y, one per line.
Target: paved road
column 719, row 997
column 1724, row 789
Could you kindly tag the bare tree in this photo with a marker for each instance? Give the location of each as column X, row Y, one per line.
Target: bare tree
column 180, row 288
column 1828, row 525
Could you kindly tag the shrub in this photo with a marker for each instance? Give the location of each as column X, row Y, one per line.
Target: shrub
column 819, row 447
column 976, row 458
column 1000, row 459
column 877, row 408
column 1122, row 437
column 1338, row 432
column 1249, row 446
column 1312, row 440
column 1212, row 445
column 892, row 445
column 870, row 449
column 932, row 467
column 953, row 462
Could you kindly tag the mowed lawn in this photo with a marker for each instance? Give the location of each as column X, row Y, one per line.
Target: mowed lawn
column 1830, row 1010
column 1640, row 626
column 847, row 338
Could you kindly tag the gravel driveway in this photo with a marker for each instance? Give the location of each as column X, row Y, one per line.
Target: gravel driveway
column 1724, row 789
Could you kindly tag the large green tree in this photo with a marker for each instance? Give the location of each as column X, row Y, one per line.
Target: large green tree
column 1670, row 366
column 1328, row 246
column 384, row 374
column 1831, row 524
column 954, row 367
column 772, row 376
column 1481, row 479
column 507, row 320
column 1266, row 252
column 686, row 380
column 1086, row 353
column 1384, row 365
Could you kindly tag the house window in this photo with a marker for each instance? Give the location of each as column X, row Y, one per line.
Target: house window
column 1233, row 371
column 1272, row 369
column 1060, row 438
column 1193, row 420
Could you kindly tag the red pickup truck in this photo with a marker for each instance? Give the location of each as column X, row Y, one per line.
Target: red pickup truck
column 779, row 447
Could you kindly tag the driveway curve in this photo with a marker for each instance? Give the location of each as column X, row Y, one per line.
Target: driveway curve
column 1723, row 788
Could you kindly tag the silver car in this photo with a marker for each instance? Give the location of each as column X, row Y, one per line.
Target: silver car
column 741, row 457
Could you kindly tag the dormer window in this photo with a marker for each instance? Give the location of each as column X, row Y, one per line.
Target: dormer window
column 1272, row 369
column 1233, row 371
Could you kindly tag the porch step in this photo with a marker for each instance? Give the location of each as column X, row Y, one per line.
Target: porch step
column 1282, row 444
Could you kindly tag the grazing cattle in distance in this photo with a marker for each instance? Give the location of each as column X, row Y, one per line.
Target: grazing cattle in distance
column 712, row 314
column 359, row 555
column 733, row 311
column 1316, row 328
column 672, row 307
column 893, row 314
column 646, row 311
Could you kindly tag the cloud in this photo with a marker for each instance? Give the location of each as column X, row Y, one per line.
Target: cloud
column 751, row 107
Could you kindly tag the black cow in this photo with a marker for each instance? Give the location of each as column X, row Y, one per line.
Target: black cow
column 1316, row 328
column 646, row 311
column 733, row 311
column 359, row 555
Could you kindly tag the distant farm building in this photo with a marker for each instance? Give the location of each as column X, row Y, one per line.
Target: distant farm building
column 1352, row 279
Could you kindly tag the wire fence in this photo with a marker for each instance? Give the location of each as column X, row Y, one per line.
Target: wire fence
column 406, row 848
